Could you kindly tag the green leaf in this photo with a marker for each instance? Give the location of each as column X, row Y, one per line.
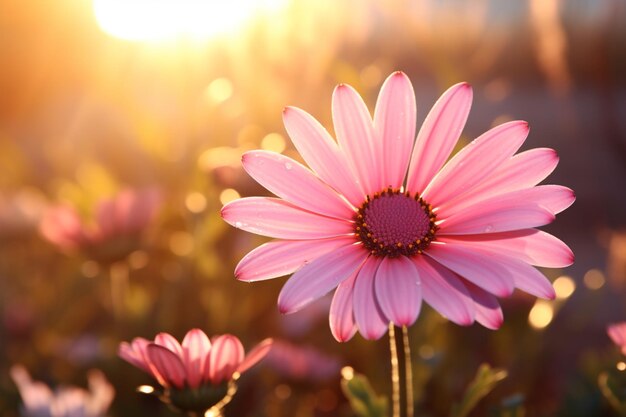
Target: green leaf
column 364, row 401
column 484, row 382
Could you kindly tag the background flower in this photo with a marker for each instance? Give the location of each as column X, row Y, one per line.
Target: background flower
column 39, row 401
column 119, row 223
column 617, row 333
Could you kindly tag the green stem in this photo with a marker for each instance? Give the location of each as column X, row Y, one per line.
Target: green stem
column 408, row 372
column 395, row 372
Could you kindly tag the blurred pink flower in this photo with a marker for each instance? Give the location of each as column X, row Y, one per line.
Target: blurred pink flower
column 302, row 362
column 20, row 213
column 193, row 363
column 617, row 333
column 386, row 221
column 118, row 224
column 39, row 401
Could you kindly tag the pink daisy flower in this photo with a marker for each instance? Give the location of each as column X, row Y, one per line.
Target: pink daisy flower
column 195, row 362
column 384, row 219
column 617, row 333
column 116, row 229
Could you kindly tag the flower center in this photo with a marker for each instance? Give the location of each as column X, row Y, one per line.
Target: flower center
column 393, row 223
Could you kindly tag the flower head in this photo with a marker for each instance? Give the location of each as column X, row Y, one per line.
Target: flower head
column 118, row 225
column 384, row 219
column 617, row 333
column 192, row 369
column 40, row 401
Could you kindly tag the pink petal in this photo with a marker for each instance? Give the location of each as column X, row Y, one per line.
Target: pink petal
column 341, row 317
column 531, row 281
column 473, row 265
column 475, row 162
column 226, row 355
column 438, row 135
column 319, row 277
column 255, row 355
column 322, row 154
column 166, row 365
column 283, row 257
column 168, row 341
column 512, row 211
column 62, row 226
column 488, row 311
column 279, row 219
column 355, row 134
column 105, row 217
column 531, row 246
column 524, row 170
column 525, row 277
column 135, row 353
column 617, row 333
column 394, row 122
column 370, row 320
column 136, row 208
column 555, row 198
column 196, row 347
column 293, row 182
column 126, row 213
column 398, row 290
column 444, row 291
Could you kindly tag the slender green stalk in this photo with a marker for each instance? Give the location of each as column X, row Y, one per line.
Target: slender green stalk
column 395, row 372
column 408, row 372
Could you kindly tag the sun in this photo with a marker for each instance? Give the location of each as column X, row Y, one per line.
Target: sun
column 155, row 20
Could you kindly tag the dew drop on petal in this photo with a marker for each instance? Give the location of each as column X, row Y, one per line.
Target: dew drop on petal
column 488, row 228
column 288, row 166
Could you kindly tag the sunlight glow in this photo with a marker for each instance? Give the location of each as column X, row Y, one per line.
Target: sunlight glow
column 141, row 20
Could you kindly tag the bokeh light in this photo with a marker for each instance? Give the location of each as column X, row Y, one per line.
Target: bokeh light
column 274, row 142
column 594, row 279
column 228, row 195
column 541, row 315
column 195, row 202
column 564, row 287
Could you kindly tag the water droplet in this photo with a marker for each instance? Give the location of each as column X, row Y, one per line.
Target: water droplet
column 288, row 166
column 238, row 225
column 488, row 228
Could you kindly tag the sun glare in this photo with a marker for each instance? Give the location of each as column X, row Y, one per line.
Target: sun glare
column 156, row 20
